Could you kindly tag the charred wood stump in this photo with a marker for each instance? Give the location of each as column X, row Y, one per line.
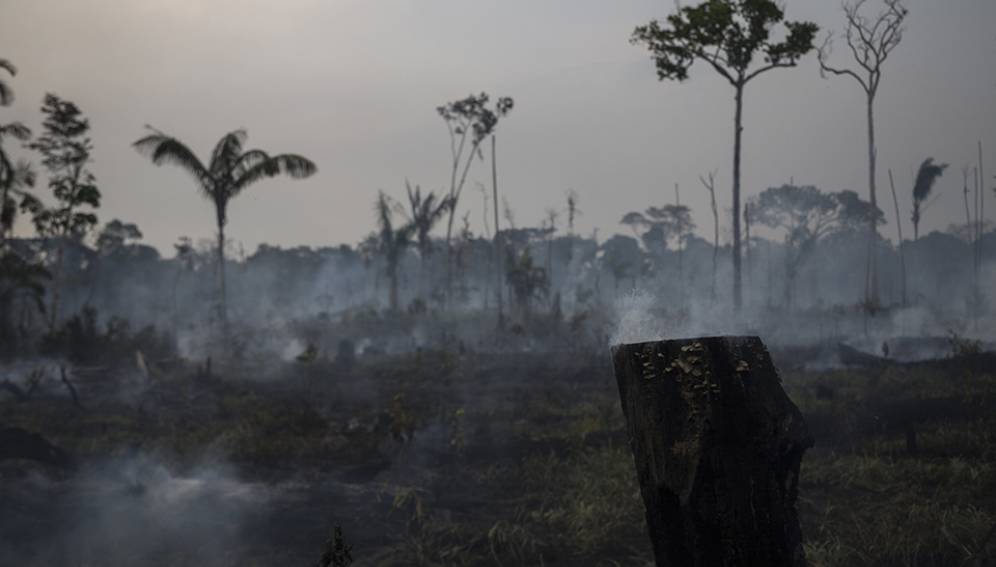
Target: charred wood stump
column 717, row 445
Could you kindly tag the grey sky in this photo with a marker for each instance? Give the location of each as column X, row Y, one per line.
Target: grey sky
column 353, row 84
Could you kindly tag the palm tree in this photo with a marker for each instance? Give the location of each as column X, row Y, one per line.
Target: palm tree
column 425, row 210
column 230, row 170
column 391, row 241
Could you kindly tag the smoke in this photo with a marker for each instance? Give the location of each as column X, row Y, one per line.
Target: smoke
column 128, row 511
column 635, row 319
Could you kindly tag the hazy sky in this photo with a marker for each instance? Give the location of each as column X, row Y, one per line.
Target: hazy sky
column 353, row 84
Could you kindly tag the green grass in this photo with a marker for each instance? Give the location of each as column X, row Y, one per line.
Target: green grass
column 534, row 471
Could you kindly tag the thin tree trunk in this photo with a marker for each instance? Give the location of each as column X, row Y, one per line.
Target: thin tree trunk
column 497, row 243
column 681, row 245
column 222, row 293
column 899, row 229
column 747, row 253
column 393, row 276
column 981, row 219
column 968, row 215
column 715, row 234
column 455, row 197
column 56, row 283
column 737, row 136
column 871, row 292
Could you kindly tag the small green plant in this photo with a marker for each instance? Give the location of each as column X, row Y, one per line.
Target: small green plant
column 962, row 346
column 337, row 552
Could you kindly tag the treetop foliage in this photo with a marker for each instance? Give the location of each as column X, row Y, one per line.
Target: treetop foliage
column 230, row 170
column 472, row 115
column 806, row 212
column 65, row 149
column 925, row 178
column 727, row 34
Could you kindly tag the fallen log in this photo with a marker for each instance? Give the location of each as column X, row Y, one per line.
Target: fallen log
column 717, row 445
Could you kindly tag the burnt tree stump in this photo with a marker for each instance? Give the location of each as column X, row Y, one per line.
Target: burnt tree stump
column 717, row 445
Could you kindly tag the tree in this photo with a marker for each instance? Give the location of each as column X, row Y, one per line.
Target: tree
column 661, row 225
column 229, row 171
column 425, row 210
column 710, row 186
column 807, row 214
column 728, row 35
column 623, row 258
column 391, row 242
column 870, row 41
column 922, row 188
column 15, row 184
column 549, row 226
column 15, row 179
column 467, row 120
column 20, row 280
column 527, row 280
column 115, row 236
column 902, row 246
column 66, row 153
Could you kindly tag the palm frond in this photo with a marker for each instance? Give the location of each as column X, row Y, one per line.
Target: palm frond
column 297, row 167
column 246, row 162
column 6, row 94
column 227, row 152
column 925, row 178
column 163, row 149
column 23, row 175
column 16, row 130
column 385, row 225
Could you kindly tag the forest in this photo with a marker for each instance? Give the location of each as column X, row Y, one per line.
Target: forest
column 440, row 392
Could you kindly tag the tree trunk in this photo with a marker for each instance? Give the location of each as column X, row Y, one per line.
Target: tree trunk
column 871, row 295
column 497, row 244
column 737, row 135
column 455, row 197
column 715, row 241
column 747, row 253
column 56, row 283
column 392, row 274
column 717, row 446
column 222, row 294
column 899, row 229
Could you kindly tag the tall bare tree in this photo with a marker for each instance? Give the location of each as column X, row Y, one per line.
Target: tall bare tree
column 469, row 122
column 728, row 35
column 871, row 41
column 899, row 230
column 710, row 185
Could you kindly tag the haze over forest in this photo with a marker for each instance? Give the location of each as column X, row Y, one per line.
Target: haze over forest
column 354, row 86
column 282, row 277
